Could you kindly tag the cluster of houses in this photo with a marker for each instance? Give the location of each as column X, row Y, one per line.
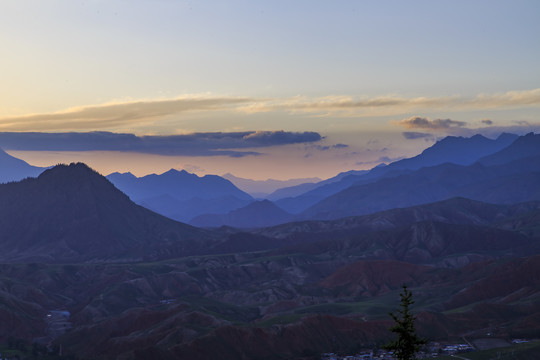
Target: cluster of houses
column 456, row 348
column 362, row 356
column 432, row 350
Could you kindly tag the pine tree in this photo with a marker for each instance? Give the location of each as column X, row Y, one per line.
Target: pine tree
column 408, row 343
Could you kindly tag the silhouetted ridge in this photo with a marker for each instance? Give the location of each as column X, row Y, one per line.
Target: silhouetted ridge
column 181, row 195
column 75, row 174
column 511, row 182
column 457, row 150
column 526, row 146
column 72, row 213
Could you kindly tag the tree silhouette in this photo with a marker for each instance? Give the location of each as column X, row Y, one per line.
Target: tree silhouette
column 408, row 343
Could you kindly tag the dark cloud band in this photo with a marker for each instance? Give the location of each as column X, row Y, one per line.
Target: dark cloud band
column 411, row 135
column 425, row 123
column 197, row 144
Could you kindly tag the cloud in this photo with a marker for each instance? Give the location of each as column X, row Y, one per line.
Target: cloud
column 332, row 104
column 508, row 99
column 326, row 147
column 281, row 137
column 458, row 128
column 118, row 114
column 127, row 114
column 417, row 122
column 197, row 144
column 386, row 105
column 410, row 135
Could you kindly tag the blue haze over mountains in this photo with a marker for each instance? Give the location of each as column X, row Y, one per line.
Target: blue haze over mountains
column 456, row 150
column 452, row 167
column 502, row 170
column 181, row 195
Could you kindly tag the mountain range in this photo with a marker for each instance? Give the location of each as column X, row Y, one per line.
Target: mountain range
column 504, row 182
column 463, row 236
column 513, row 182
column 451, row 149
column 496, row 178
column 180, row 195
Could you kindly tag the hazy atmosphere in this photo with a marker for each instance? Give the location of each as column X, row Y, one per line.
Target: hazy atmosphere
column 278, row 89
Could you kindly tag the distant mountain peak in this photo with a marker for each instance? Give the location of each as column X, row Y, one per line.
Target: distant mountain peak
column 524, row 146
column 72, row 213
column 177, row 172
column 455, row 149
column 173, row 193
column 459, row 139
column 77, row 176
column 72, row 168
column 116, row 173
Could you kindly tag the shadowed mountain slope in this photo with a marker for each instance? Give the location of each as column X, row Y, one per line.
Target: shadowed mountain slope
column 527, row 146
column 71, row 213
column 519, row 217
column 425, row 242
column 323, row 189
column 257, row 214
column 185, row 210
column 513, row 182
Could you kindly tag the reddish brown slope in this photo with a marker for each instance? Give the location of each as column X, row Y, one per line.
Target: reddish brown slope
column 371, row 278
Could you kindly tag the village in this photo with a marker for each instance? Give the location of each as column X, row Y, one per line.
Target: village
column 431, row 351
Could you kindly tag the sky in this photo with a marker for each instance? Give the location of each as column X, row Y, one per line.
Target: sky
column 261, row 89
